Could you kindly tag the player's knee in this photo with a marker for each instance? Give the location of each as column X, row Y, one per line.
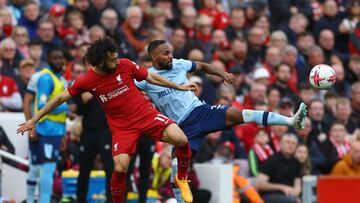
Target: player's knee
column 182, row 141
column 119, row 166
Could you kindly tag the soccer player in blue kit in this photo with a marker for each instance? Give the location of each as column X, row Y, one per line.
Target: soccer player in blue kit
column 195, row 118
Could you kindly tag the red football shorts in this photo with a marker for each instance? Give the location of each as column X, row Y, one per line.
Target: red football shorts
column 152, row 125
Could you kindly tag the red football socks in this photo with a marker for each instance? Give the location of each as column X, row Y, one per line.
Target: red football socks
column 118, row 186
column 183, row 155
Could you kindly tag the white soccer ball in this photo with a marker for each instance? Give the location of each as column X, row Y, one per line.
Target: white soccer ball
column 322, row 77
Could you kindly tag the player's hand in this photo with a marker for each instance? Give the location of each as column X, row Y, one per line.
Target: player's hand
column 32, row 135
column 27, row 126
column 229, row 78
column 189, row 86
column 287, row 190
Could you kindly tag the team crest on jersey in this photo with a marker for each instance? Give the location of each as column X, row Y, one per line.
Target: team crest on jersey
column 103, row 98
column 118, row 78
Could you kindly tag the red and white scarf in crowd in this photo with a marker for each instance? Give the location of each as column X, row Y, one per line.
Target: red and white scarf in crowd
column 263, row 152
column 341, row 148
column 275, row 140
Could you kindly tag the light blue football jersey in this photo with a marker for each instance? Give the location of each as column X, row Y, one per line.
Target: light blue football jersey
column 175, row 104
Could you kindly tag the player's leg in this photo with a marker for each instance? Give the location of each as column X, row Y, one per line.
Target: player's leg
column 174, row 135
column 34, row 170
column 118, row 179
column 50, row 151
column 235, row 116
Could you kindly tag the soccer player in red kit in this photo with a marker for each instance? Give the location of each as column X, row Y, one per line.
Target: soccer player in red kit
column 129, row 114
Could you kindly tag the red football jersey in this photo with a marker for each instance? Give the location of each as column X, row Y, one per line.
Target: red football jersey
column 7, row 86
column 123, row 103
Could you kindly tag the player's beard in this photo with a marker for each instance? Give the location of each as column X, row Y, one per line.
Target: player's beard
column 165, row 66
column 107, row 69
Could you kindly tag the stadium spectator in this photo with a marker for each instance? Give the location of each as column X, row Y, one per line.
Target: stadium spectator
column 306, row 93
column 272, row 60
column 202, row 38
column 95, row 10
column 219, row 18
column 26, row 70
column 282, row 80
column 21, row 39
column 278, row 39
column 30, row 17
column 335, row 147
column 297, row 24
column 178, row 40
column 236, row 28
column 353, row 75
column 10, row 98
column 35, row 53
column 330, row 101
column 315, row 56
column 349, row 165
column 331, row 19
column 302, row 154
column 305, row 41
column 239, row 84
column 256, row 47
column 8, row 21
column 133, row 29
column 316, row 156
column 327, row 43
column 279, row 178
column 262, row 75
column 286, row 106
column 46, row 35
column 320, row 126
column 188, row 21
column 240, row 55
column 343, row 112
column 198, row 81
column 109, row 21
column 355, row 104
column 46, row 4
column 10, row 58
column 263, row 23
column 260, row 151
column 158, row 22
column 257, row 94
column 273, row 98
column 290, row 56
column 76, row 24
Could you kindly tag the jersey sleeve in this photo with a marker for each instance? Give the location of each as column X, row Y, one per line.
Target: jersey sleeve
column 138, row 72
column 32, row 85
column 76, row 87
column 141, row 84
column 189, row 66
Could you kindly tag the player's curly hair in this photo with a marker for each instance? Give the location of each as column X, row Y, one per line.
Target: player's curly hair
column 98, row 51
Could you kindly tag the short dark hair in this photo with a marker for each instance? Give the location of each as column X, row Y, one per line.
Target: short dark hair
column 97, row 53
column 35, row 42
column 154, row 44
column 54, row 49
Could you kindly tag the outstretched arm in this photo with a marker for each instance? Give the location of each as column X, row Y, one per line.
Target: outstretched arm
column 156, row 79
column 210, row 69
column 52, row 104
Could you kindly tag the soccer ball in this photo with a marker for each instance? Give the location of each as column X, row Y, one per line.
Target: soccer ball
column 322, row 77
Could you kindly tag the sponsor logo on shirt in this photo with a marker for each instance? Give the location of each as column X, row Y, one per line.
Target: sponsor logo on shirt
column 108, row 96
column 118, row 78
column 116, row 147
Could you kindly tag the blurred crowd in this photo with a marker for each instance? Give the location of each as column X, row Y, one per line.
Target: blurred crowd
column 269, row 45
